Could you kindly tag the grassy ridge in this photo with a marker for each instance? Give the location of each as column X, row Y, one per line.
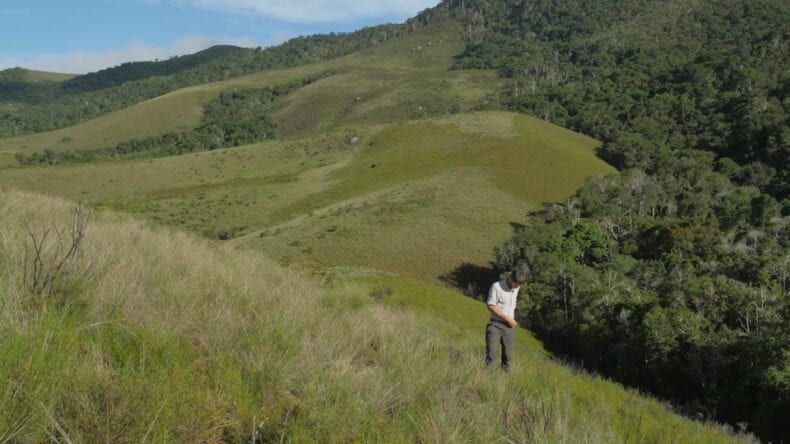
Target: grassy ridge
column 516, row 151
column 156, row 335
column 44, row 76
column 425, row 229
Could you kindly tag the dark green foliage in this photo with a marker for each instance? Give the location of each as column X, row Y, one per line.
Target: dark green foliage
column 224, row 233
column 648, row 76
column 238, row 117
column 16, row 87
column 676, row 282
column 13, row 75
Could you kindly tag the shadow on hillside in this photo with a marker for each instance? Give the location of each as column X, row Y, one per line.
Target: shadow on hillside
column 516, row 226
column 473, row 280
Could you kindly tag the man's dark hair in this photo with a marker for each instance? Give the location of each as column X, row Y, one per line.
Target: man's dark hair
column 519, row 275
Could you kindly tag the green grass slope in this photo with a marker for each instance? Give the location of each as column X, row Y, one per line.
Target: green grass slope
column 150, row 334
column 45, row 76
column 427, row 187
column 420, row 198
column 425, row 198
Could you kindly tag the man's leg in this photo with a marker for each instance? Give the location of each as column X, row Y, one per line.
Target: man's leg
column 492, row 341
column 508, row 334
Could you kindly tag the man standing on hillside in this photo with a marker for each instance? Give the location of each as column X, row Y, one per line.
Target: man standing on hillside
column 501, row 328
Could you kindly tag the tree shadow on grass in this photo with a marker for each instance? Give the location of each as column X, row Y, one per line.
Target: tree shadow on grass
column 473, row 280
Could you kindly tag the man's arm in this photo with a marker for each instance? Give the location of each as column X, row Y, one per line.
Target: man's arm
column 511, row 322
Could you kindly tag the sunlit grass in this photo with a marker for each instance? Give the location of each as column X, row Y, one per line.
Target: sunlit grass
column 156, row 335
column 424, row 228
column 420, row 198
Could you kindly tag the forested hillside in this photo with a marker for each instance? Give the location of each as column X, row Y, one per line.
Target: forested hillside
column 673, row 275
column 648, row 77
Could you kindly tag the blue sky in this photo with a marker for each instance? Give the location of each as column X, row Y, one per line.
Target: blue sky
column 79, row 36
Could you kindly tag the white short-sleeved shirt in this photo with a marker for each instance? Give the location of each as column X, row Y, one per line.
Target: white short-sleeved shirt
column 504, row 298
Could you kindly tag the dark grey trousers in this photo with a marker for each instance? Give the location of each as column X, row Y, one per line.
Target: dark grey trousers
column 499, row 333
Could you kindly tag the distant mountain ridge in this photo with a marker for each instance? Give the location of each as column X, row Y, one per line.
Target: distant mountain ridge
column 131, row 71
column 32, row 87
column 27, row 108
column 20, row 75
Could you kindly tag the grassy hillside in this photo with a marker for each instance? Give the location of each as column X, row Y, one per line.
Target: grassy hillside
column 18, row 76
column 156, row 335
column 421, row 198
column 427, row 197
column 175, row 111
column 44, row 76
column 426, row 188
column 131, row 71
column 35, row 110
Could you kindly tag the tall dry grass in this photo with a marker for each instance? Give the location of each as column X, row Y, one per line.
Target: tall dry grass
column 157, row 336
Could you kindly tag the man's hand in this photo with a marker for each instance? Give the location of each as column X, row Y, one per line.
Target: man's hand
column 510, row 322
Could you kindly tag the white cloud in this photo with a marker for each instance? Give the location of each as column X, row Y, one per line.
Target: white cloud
column 318, row 11
column 84, row 62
